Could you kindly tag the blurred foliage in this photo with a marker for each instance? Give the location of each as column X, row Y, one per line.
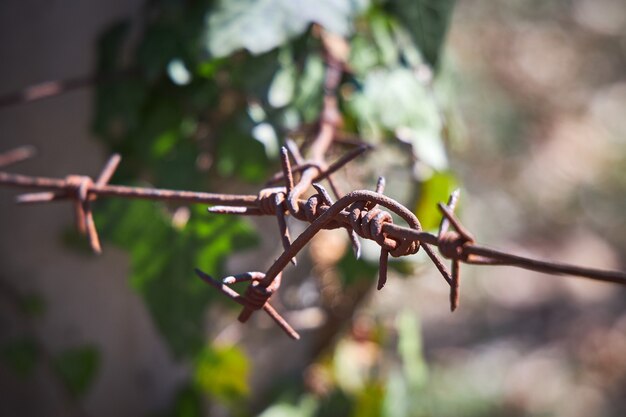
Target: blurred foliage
column 202, row 99
column 222, row 372
column 427, row 21
column 188, row 403
column 32, row 305
column 389, row 377
column 305, row 408
column 77, row 368
column 436, row 188
column 352, row 270
column 161, row 254
column 260, row 26
column 20, row 355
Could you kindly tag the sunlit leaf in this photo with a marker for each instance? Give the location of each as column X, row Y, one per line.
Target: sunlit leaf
column 353, row 364
column 410, row 349
column 309, row 91
column 305, row 408
column 281, row 90
column 386, row 45
column 434, row 190
column 369, row 401
column 239, row 154
column 398, row 399
column 394, row 100
column 77, row 368
column 262, row 25
column 222, row 372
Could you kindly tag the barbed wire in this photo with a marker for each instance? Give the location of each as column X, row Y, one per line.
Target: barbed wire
column 358, row 212
column 362, row 213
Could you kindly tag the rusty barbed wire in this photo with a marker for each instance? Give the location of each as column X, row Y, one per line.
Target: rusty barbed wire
column 54, row 88
column 17, row 155
column 358, row 212
column 362, row 213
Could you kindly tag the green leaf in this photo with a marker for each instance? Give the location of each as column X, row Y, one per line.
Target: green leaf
column 434, row 190
column 158, row 47
column 309, row 91
column 336, row 403
column 410, row 349
column 118, row 108
column 163, row 258
column 20, row 356
column 353, row 369
column 222, row 372
column 33, row 305
column 354, row 270
column 188, row 404
column 239, row 154
column 305, row 408
column 398, row 398
column 386, row 45
column 394, row 100
column 77, row 368
column 262, row 25
column 427, row 21
column 110, row 46
column 369, row 401
column 283, row 84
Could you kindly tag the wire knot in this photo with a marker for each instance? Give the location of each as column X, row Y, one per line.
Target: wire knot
column 79, row 185
column 314, row 207
column 256, row 295
column 270, row 199
column 452, row 245
column 369, row 225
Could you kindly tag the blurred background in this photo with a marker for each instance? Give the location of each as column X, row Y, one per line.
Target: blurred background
column 519, row 103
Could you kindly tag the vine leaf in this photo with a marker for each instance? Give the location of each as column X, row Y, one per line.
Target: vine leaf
column 222, row 372
column 160, row 255
column 77, row 368
column 427, row 21
column 306, row 407
column 435, row 189
column 410, row 349
column 260, row 26
column 393, row 100
column 20, row 356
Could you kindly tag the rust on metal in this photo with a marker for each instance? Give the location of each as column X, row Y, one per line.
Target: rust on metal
column 17, row 155
column 363, row 214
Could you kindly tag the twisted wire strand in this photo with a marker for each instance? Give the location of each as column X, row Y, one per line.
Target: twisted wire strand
column 363, row 213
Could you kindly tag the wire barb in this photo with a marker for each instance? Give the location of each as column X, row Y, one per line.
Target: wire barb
column 246, row 303
column 364, row 214
column 455, row 284
column 17, row 155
